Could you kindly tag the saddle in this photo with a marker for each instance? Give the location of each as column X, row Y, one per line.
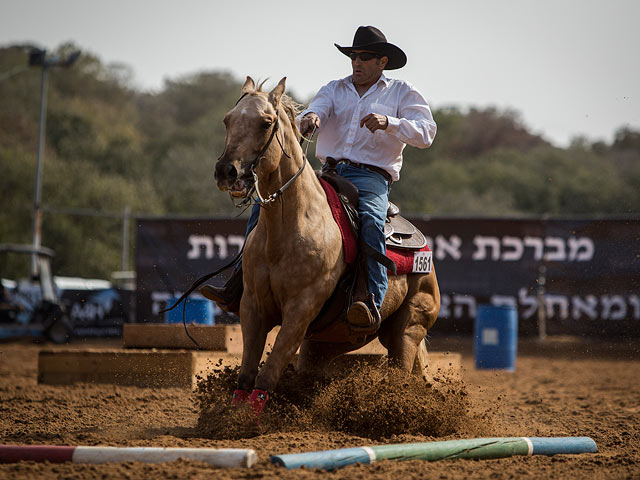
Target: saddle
column 398, row 231
column 331, row 323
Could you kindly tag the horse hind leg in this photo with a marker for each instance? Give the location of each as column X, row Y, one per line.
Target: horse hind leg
column 421, row 363
column 404, row 345
column 404, row 332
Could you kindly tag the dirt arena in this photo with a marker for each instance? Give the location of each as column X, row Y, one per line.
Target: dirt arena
column 564, row 387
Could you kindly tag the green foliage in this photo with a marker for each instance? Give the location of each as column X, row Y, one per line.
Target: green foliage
column 519, row 175
column 110, row 146
column 16, row 185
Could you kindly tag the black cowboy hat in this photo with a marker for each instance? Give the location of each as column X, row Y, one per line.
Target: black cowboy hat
column 373, row 40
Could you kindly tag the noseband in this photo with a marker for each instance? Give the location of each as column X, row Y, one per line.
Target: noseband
column 271, row 198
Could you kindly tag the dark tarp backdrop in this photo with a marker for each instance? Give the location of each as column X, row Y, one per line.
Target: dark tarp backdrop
column 591, row 268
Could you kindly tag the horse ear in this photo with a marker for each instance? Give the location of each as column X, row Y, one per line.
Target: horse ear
column 276, row 93
column 249, row 85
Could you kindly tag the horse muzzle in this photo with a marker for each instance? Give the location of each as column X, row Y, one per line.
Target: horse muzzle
column 228, row 180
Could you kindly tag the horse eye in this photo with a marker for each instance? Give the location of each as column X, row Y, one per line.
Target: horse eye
column 266, row 123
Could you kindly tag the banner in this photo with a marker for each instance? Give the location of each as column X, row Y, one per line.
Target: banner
column 583, row 275
column 98, row 312
column 172, row 253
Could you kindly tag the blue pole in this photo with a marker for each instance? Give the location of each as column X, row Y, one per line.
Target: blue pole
column 479, row 448
column 562, row 445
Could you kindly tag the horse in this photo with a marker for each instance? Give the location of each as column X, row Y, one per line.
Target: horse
column 293, row 258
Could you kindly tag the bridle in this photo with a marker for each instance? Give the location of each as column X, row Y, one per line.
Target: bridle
column 247, row 202
column 262, row 201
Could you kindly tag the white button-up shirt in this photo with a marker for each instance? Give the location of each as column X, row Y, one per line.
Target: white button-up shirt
column 340, row 110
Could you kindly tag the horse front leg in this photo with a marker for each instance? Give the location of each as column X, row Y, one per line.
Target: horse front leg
column 296, row 317
column 254, row 337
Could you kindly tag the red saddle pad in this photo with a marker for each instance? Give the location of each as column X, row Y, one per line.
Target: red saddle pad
column 406, row 260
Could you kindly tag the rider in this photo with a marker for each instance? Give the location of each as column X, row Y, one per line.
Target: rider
column 364, row 122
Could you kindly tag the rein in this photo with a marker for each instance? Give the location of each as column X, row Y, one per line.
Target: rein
column 263, row 201
column 194, row 285
column 275, row 195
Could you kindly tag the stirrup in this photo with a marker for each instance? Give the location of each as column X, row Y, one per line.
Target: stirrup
column 364, row 317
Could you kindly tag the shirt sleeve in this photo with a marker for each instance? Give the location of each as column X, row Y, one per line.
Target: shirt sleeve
column 321, row 105
column 414, row 125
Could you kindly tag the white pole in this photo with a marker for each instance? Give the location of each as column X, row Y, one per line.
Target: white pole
column 218, row 457
column 125, row 239
column 37, row 212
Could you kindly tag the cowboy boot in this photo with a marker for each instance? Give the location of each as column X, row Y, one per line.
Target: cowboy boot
column 227, row 297
column 364, row 315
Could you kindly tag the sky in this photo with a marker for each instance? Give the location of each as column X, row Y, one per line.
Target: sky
column 568, row 67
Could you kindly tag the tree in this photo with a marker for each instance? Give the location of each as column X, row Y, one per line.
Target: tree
column 110, row 146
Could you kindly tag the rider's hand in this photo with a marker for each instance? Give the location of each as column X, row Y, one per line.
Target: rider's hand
column 375, row 121
column 309, row 122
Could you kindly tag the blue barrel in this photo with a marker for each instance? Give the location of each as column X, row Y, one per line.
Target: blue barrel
column 199, row 310
column 496, row 337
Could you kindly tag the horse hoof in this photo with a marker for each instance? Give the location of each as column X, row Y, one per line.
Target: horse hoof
column 258, row 400
column 239, row 396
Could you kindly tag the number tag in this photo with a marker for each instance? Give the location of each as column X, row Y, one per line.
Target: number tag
column 422, row 262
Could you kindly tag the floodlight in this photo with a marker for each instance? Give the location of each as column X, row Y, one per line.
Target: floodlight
column 36, row 57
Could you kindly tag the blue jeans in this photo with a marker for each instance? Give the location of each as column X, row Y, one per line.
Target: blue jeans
column 373, row 191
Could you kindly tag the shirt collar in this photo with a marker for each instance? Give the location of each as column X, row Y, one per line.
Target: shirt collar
column 382, row 78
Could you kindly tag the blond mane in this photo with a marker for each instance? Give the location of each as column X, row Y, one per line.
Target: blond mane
column 291, row 108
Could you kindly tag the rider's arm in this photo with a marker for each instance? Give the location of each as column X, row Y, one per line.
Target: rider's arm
column 414, row 125
column 322, row 103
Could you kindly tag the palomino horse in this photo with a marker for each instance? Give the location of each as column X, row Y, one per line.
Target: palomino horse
column 294, row 258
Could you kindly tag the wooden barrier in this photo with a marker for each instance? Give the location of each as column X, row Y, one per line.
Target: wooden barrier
column 160, row 355
column 160, row 335
column 171, row 368
column 141, row 368
column 223, row 338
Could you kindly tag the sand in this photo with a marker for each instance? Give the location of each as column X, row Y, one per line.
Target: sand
column 564, row 387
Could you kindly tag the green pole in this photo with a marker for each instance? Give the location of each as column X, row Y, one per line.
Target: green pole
column 476, row 448
column 473, row 448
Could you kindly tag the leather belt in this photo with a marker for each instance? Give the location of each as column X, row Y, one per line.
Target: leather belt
column 373, row 168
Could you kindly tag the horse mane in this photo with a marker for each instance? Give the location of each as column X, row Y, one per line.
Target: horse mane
column 291, row 108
